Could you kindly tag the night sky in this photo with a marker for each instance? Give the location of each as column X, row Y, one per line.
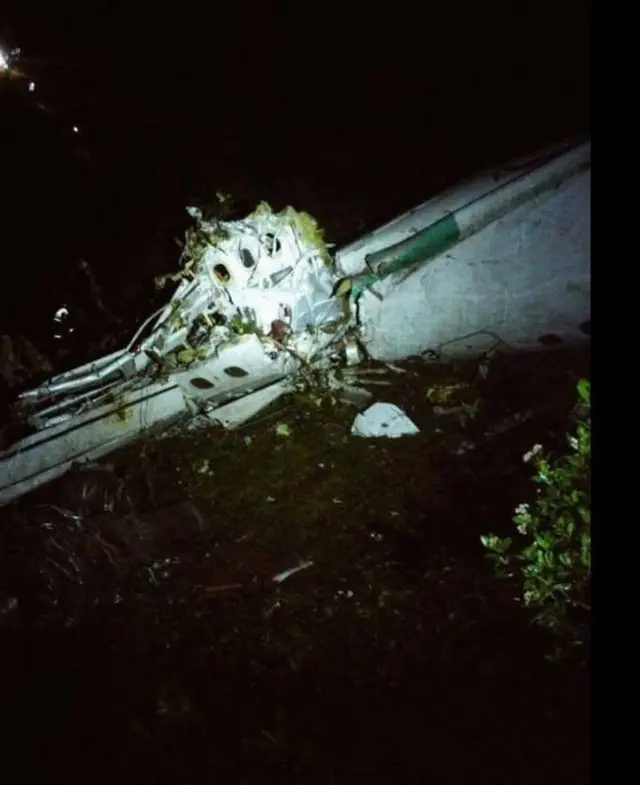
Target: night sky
column 463, row 73
column 354, row 115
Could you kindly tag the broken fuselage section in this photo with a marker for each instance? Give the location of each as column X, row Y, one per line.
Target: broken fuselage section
column 262, row 308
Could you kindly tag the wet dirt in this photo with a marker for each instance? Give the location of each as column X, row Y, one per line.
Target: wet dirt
column 395, row 656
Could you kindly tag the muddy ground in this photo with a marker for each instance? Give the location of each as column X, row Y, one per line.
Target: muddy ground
column 163, row 650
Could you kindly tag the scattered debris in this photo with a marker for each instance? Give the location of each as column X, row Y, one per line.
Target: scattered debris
column 464, row 412
column 383, row 419
column 282, row 576
column 464, row 447
column 497, row 430
column 445, row 393
column 204, row 467
column 508, row 423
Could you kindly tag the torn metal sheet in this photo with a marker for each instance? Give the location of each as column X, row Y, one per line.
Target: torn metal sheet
column 501, row 260
column 383, row 419
column 263, row 309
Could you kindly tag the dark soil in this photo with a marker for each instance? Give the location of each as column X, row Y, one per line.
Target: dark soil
column 396, row 656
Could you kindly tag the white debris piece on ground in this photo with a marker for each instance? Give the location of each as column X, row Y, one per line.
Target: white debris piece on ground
column 383, row 419
column 282, row 576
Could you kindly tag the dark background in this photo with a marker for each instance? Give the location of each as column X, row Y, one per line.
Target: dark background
column 353, row 113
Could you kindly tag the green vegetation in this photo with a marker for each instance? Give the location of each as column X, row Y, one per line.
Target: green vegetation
column 555, row 554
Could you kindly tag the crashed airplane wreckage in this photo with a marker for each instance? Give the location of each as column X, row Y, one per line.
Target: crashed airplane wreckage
column 263, row 309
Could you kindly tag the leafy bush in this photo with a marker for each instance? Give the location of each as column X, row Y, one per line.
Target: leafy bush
column 555, row 560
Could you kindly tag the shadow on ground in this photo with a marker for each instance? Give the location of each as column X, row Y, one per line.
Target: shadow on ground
column 395, row 657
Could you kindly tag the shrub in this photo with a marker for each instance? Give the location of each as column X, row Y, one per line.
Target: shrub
column 554, row 554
